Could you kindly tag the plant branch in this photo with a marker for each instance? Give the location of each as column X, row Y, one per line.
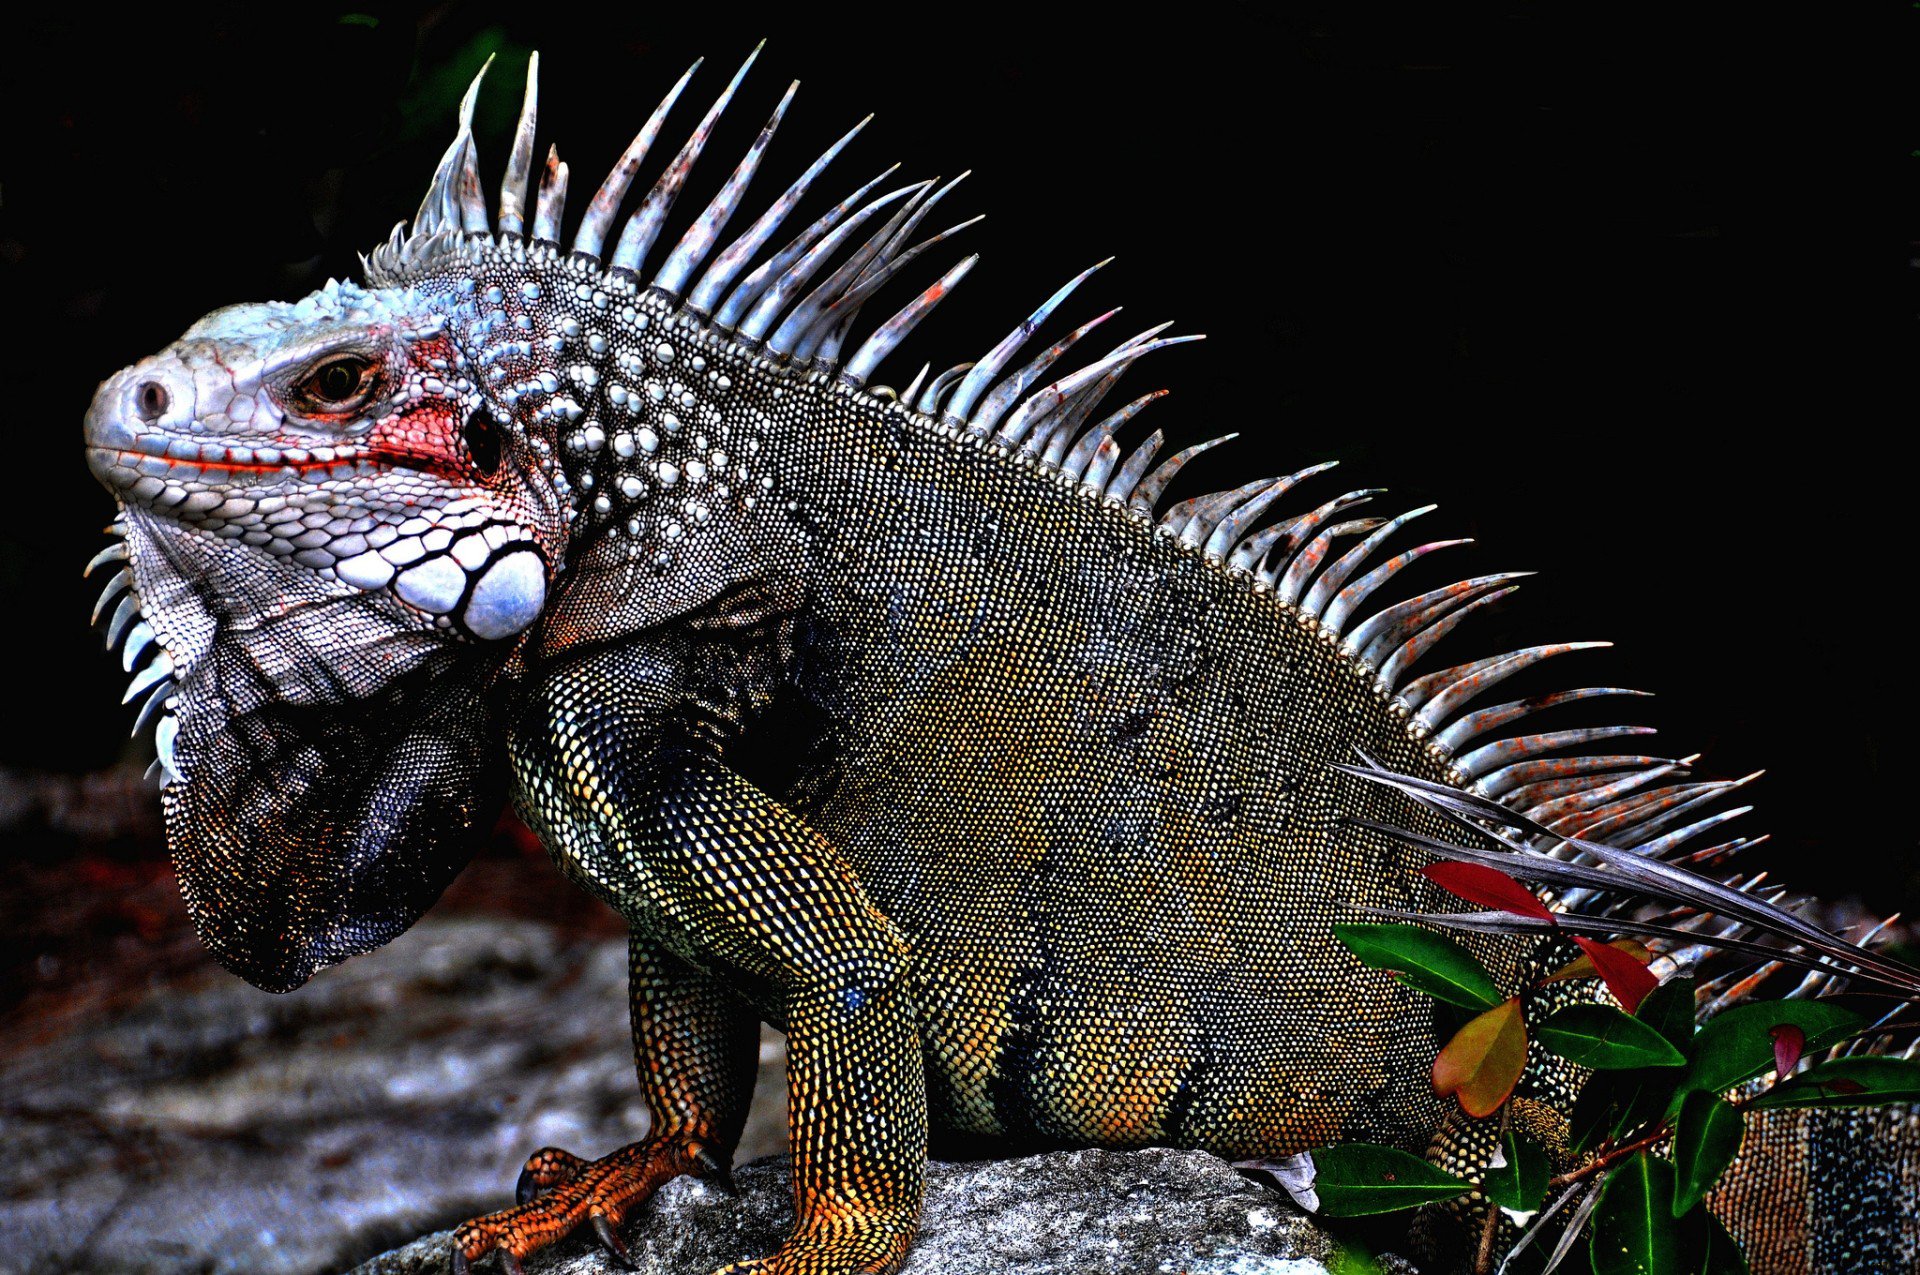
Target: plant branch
column 1483, row 1262
column 1611, row 1158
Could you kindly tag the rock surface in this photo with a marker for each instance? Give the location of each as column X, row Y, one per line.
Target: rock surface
column 194, row 1124
column 1171, row 1212
column 162, row 1117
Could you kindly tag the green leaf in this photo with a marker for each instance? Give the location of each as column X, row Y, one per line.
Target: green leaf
column 1668, row 1009
column 1848, row 1082
column 1604, row 1038
column 1645, row 1092
column 1736, row 1046
column 1704, row 1143
column 1595, row 1110
column 1633, row 1230
column 1520, row 1183
column 1722, row 1256
column 1427, row 962
column 1356, row 1178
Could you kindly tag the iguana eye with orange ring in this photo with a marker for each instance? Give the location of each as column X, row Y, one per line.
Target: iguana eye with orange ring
column 341, row 383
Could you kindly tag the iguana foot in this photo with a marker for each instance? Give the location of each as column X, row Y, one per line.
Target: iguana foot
column 851, row 1243
column 559, row 1192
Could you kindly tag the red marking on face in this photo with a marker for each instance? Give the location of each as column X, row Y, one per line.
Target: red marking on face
column 425, row 435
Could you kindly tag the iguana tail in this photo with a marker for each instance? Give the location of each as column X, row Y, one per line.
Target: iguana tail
column 1826, row 1191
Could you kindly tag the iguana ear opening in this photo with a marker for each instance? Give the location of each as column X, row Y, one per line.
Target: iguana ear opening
column 307, row 833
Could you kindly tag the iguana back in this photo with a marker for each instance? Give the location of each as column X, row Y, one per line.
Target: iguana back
column 1082, row 766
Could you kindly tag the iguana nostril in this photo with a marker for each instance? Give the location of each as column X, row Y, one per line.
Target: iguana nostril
column 151, row 401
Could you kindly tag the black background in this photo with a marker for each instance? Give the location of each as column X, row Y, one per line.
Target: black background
column 1590, row 276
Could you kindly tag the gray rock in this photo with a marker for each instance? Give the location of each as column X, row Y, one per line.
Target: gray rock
column 1131, row 1212
column 198, row 1125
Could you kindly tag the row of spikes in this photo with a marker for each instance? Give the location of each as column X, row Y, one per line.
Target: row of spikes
column 1593, row 795
column 128, row 629
column 1639, row 824
column 1293, row 557
column 1741, row 982
column 984, row 399
column 1579, row 796
column 772, row 308
column 1290, row 556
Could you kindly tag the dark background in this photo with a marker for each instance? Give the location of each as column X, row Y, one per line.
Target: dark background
column 1590, row 276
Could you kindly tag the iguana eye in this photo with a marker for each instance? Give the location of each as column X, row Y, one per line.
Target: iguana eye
column 339, row 384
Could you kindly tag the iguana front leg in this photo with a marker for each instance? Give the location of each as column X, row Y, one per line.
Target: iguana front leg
column 695, row 1047
column 638, row 804
column 750, row 883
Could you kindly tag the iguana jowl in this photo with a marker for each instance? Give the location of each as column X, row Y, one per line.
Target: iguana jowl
column 910, row 723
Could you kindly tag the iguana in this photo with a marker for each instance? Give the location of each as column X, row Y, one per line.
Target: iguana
column 914, row 723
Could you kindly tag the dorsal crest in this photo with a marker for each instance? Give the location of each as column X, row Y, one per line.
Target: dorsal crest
column 791, row 307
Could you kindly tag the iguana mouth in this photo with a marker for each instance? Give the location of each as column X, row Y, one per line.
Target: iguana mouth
column 216, row 457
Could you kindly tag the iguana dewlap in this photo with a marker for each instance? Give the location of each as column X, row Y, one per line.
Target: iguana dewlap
column 913, row 723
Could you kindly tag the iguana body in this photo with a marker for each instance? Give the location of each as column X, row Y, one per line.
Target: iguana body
column 918, row 731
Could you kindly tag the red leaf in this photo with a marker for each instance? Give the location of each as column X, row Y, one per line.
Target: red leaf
column 1583, row 967
column 1626, row 977
column 1788, row 1041
column 1488, row 887
column 1483, row 1061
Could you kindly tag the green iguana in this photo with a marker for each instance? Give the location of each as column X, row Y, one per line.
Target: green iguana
column 912, row 723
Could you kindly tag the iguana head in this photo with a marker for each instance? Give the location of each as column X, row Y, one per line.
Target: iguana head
column 339, row 514
column 332, row 533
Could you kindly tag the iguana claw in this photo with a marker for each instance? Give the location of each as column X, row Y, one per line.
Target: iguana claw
column 610, row 1240
column 715, row 1170
column 461, row 1266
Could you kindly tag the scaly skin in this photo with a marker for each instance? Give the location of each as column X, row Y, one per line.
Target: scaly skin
column 1008, row 803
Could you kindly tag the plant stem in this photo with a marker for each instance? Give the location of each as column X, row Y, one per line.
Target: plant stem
column 1610, row 1159
column 1483, row 1261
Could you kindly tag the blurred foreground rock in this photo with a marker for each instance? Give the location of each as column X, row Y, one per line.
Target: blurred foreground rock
column 1114, row 1212
column 173, row 1119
